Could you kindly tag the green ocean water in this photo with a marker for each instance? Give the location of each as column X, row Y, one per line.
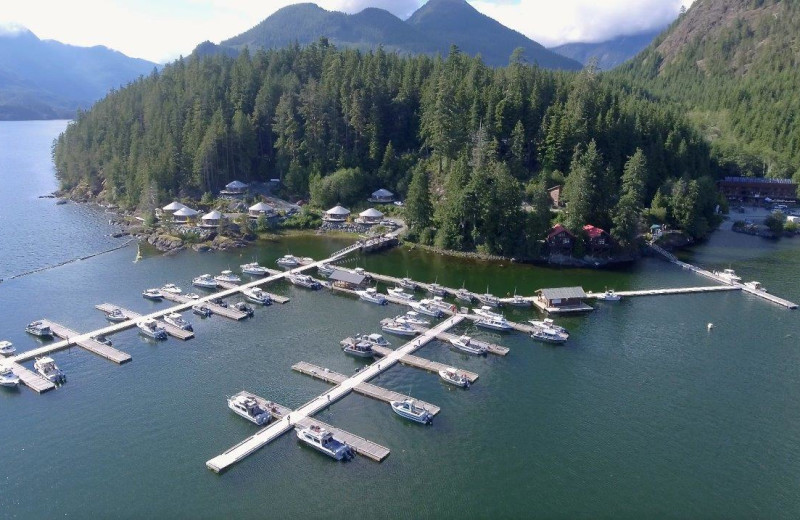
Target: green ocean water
column 643, row 413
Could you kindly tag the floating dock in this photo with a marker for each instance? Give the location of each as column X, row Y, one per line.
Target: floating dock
column 227, row 312
column 90, row 344
column 277, row 298
column 173, row 331
column 30, row 378
column 425, row 364
column 665, row 292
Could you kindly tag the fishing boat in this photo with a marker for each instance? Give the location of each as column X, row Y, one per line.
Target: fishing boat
column 465, row 344
column 116, row 315
column 325, row 270
column 452, row 376
column 398, row 292
column 609, row 296
column 7, row 348
column 303, row 280
column 227, row 276
column 176, row 320
column 48, row 369
column 171, row 288
column 38, row 328
column 201, row 310
column 549, row 335
column 548, row 323
column 519, row 301
column 486, row 312
column 206, row 281
column 152, row 294
column 151, row 329
column 257, row 295
column 437, row 302
column 729, row 276
column 358, row 348
column 323, row 441
column 247, row 407
column 374, row 339
column 464, row 295
column 243, row 307
column 436, row 289
column 398, row 328
column 413, row 318
column 372, row 295
column 408, row 283
column 288, row 261
column 408, row 409
column 254, row 269
column 499, row 324
column 489, row 299
column 424, row 308
column 8, row 378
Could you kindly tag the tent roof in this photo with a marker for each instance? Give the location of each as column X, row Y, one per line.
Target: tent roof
column 212, row 215
column 338, row 210
column 261, row 206
column 371, row 212
column 383, row 193
column 185, row 212
column 173, row 206
column 235, row 185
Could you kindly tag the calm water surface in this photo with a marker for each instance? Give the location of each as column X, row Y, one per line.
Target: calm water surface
column 643, row 412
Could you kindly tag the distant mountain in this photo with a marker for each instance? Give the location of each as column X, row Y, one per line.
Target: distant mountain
column 609, row 53
column 46, row 79
column 432, row 29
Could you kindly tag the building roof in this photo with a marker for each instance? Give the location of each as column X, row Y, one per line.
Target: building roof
column 261, row 206
column 338, row 210
column 186, row 212
column 212, row 215
column 758, row 180
column 235, row 185
column 558, row 228
column 371, row 213
column 173, row 206
column 339, row 275
column 554, row 188
column 593, row 231
column 382, row 193
column 563, row 293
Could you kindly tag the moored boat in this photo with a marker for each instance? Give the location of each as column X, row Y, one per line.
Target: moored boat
column 424, row 308
column 104, row 340
column 408, row 283
column 437, row 302
column 8, row 378
column 499, row 324
column 247, row 407
column 519, row 301
column 465, row 344
column 254, row 269
column 372, row 295
column 436, row 289
column 412, row 318
column 206, row 281
column 486, row 312
column 176, row 320
column 192, row 296
column 548, row 323
column 729, row 276
column 374, row 339
column 325, row 270
column 489, row 299
column 454, row 377
column 38, row 328
column 152, row 294
column 171, row 288
column 7, row 348
column 243, row 307
column 408, row 409
column 303, row 280
column 398, row 328
column 609, row 296
column 549, row 335
column 756, row 286
column 464, row 295
column 201, row 310
column 48, row 369
column 257, row 295
column 116, row 315
column 398, row 292
column 288, row 261
column 358, row 348
column 219, row 301
column 323, row 441
column 227, row 276
column 151, row 329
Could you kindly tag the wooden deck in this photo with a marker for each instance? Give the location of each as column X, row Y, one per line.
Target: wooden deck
column 425, row 364
column 665, row 292
column 92, row 345
column 367, row 389
column 30, row 378
column 227, row 312
column 175, row 332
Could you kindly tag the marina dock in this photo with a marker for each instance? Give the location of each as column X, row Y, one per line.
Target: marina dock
column 173, row 331
column 30, row 378
column 425, row 364
column 227, row 312
column 277, row 298
column 664, row 292
column 92, row 345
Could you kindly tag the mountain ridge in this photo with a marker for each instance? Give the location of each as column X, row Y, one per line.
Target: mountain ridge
column 608, row 53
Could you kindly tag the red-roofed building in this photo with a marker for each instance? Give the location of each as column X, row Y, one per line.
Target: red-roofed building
column 597, row 240
column 560, row 240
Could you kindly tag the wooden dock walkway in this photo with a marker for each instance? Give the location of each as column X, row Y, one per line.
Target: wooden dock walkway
column 90, row 344
column 277, row 298
column 173, row 331
column 227, row 312
column 425, row 364
column 666, row 292
column 29, row 378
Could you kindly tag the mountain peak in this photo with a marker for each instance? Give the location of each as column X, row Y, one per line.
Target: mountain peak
column 15, row 30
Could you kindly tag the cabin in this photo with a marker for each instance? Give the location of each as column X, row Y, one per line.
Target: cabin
column 211, row 219
column 382, row 196
column 170, row 208
column 348, row 279
column 555, row 196
column 234, row 190
column 757, row 189
column 562, row 299
column 259, row 209
column 336, row 214
column 185, row 215
column 370, row 217
column 560, row 240
column 656, row 230
column 598, row 241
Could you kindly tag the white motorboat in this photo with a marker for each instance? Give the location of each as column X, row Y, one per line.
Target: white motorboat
column 254, row 269
column 206, row 281
column 374, row 339
column 398, row 328
column 464, row 295
column 38, row 328
column 322, row 440
column 519, row 301
column 486, row 312
column 358, row 348
column 201, row 310
column 116, row 315
column 413, row 318
column 454, row 377
column 409, row 410
column 192, row 296
column 151, row 329
column 609, row 296
column 104, row 340
column 424, row 308
column 436, row 289
column 408, row 283
column 7, row 348
column 243, row 307
column 489, row 299
column 227, row 276
column 756, row 286
column 499, row 324
column 437, row 302
column 372, row 295
column 303, row 280
column 49, row 370
column 171, row 288
column 549, row 335
column 325, row 270
column 729, row 276
column 548, row 323
column 257, row 295
column 176, row 320
column 288, row 261
column 247, row 407
column 398, row 292
column 152, row 294
column 8, row 378
column 465, row 344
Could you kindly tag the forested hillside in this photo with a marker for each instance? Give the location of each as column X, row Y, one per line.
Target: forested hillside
column 465, row 142
column 734, row 65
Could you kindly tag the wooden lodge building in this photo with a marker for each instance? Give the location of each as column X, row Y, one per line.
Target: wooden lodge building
column 757, row 189
column 560, row 241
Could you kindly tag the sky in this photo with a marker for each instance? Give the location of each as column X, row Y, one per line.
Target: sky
column 162, row 30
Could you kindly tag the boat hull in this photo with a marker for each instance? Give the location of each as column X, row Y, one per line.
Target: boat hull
column 258, row 421
column 399, row 332
column 492, row 326
column 424, row 418
column 455, row 382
